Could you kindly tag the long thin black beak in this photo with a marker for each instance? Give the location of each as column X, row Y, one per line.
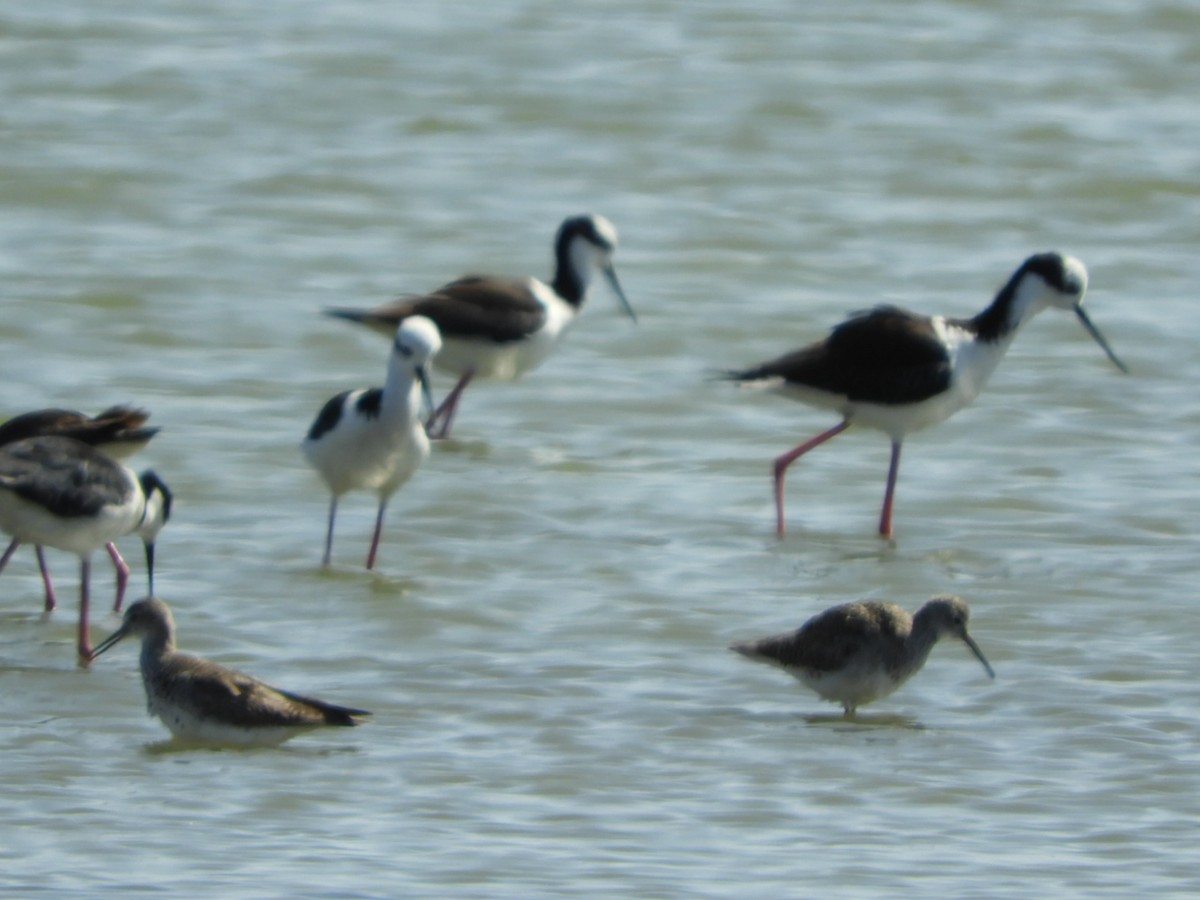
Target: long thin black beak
column 611, row 274
column 109, row 642
column 1099, row 338
column 978, row 654
column 426, row 393
column 150, row 564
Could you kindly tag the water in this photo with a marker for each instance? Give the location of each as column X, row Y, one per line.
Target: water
column 185, row 187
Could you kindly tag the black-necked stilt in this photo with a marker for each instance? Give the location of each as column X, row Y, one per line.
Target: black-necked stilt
column 898, row 372
column 503, row 327
column 203, row 702
column 372, row 438
column 857, row 653
column 118, row 431
column 61, row 493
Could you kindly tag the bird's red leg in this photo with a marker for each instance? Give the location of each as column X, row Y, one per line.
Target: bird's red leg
column 885, row 517
column 445, row 412
column 782, row 463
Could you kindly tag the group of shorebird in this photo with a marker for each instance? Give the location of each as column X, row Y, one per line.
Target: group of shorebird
column 63, row 483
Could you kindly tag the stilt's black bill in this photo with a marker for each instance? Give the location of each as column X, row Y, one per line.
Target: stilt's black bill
column 426, row 392
column 1099, row 338
column 611, row 274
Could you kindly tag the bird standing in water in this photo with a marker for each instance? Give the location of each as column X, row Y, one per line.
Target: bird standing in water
column 118, row 432
column 501, row 328
column 857, row 653
column 204, row 702
column 898, row 372
column 59, row 492
column 372, row 438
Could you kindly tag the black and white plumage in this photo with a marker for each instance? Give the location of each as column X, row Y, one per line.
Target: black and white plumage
column 62, row 493
column 503, row 327
column 857, row 653
column 898, row 372
column 119, row 432
column 204, row 702
column 372, row 438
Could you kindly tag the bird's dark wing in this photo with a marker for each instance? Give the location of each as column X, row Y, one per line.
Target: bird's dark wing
column 499, row 310
column 65, row 476
column 39, row 423
column 885, row 355
column 494, row 309
column 334, row 714
column 825, row 642
column 329, row 416
column 117, row 423
column 220, row 694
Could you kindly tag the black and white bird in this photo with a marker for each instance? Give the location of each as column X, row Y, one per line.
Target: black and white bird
column 59, row 492
column 898, row 372
column 502, row 328
column 372, row 439
column 204, row 702
column 118, row 431
column 857, row 653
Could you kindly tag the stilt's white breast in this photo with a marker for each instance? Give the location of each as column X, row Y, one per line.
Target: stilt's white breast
column 34, row 524
column 378, row 454
column 971, row 365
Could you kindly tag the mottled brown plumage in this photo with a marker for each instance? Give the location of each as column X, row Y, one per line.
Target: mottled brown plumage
column 204, row 702
column 857, row 653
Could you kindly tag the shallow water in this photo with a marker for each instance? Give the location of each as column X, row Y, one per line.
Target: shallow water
column 185, row 188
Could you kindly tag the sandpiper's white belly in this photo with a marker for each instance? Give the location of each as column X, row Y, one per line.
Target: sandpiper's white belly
column 184, row 724
column 852, row 686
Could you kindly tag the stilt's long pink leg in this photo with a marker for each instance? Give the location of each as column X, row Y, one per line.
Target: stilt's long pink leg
column 445, row 412
column 85, row 640
column 782, row 463
column 329, row 534
column 122, row 574
column 378, row 533
column 885, row 517
column 51, row 597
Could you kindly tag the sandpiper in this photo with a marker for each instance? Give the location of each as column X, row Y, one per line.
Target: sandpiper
column 372, row 438
column 899, row 372
column 206, row 703
column 857, row 653
column 62, row 493
column 118, row 431
column 504, row 327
